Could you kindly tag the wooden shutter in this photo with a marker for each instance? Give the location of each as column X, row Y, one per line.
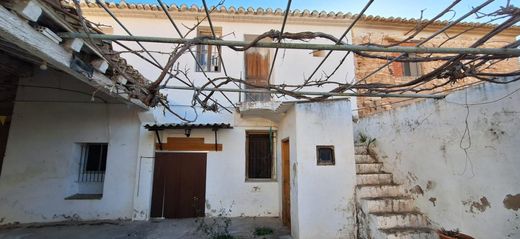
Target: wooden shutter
column 257, row 65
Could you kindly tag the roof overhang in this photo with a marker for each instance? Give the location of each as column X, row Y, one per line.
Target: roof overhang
column 16, row 30
column 215, row 126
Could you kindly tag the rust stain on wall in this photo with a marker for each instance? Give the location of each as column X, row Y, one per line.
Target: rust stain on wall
column 512, row 202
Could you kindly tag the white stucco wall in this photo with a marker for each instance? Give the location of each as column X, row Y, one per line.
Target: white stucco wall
column 288, row 131
column 41, row 161
column 226, row 185
column 325, row 193
column 226, row 169
column 292, row 66
column 422, row 144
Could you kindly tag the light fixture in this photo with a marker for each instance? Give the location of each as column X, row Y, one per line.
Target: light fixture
column 187, row 132
column 43, row 66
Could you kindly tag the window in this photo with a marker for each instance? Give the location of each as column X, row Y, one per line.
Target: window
column 259, row 154
column 207, row 56
column 325, row 155
column 93, row 162
column 411, row 68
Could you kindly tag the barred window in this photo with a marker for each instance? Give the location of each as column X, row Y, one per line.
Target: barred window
column 93, row 162
column 259, row 155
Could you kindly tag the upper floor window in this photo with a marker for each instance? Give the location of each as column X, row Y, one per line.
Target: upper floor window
column 207, row 56
column 411, row 68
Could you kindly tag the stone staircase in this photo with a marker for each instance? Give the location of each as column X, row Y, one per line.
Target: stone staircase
column 385, row 209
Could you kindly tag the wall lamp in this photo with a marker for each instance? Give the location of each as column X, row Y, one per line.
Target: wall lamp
column 187, row 132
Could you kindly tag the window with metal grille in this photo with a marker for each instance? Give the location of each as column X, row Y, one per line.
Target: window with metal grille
column 207, row 56
column 259, row 154
column 325, row 155
column 93, row 162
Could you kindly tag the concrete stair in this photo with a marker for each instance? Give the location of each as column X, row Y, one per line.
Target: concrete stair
column 387, row 210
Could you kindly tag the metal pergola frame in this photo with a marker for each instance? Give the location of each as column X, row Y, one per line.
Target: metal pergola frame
column 514, row 52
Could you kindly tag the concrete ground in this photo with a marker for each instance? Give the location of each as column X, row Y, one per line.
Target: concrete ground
column 241, row 227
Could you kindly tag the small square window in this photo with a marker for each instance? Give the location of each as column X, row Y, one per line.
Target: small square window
column 325, row 155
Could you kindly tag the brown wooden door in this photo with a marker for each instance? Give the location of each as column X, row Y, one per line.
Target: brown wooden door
column 257, row 64
column 179, row 185
column 286, row 184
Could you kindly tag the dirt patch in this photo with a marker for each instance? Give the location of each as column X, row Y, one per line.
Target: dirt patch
column 512, row 202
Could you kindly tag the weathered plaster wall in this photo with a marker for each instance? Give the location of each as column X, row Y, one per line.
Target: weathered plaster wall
column 41, row 162
column 388, row 34
column 325, row 193
column 424, row 144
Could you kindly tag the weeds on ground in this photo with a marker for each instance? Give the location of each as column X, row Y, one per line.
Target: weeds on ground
column 263, row 231
column 216, row 227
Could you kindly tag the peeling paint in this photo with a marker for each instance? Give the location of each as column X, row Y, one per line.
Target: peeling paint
column 433, row 200
column 411, row 177
column 477, row 206
column 417, row 190
column 430, row 185
column 512, row 202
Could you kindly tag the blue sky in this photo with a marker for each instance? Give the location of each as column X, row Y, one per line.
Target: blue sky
column 386, row 8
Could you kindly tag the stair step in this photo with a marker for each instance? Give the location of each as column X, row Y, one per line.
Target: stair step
column 375, row 191
column 374, row 178
column 390, row 205
column 361, row 149
column 397, row 213
column 364, row 159
column 409, row 233
column 401, row 220
column 369, row 167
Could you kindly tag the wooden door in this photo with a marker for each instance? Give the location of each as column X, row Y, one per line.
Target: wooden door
column 286, row 184
column 179, row 185
column 257, row 64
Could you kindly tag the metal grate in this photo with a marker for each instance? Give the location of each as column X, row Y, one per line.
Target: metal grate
column 93, row 162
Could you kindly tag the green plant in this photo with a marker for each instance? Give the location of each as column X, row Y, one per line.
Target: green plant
column 263, row 231
column 362, row 138
column 217, row 227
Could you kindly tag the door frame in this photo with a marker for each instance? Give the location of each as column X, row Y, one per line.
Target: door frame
column 286, row 182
